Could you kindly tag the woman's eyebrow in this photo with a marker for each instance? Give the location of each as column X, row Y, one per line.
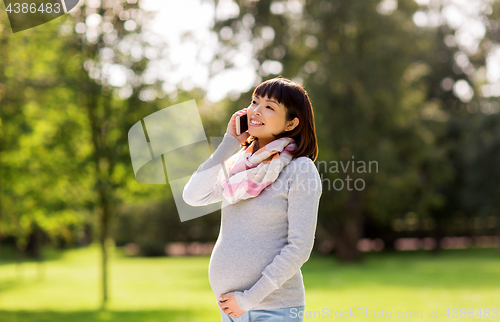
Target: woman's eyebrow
column 268, row 100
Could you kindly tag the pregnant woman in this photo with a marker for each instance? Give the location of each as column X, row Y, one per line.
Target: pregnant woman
column 270, row 193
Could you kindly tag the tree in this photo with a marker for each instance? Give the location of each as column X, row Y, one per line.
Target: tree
column 36, row 151
column 105, row 41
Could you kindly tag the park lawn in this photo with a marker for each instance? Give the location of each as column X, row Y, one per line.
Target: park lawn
column 66, row 287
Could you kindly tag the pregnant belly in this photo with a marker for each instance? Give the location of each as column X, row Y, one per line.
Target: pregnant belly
column 234, row 268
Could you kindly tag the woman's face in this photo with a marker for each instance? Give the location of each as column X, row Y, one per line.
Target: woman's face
column 272, row 115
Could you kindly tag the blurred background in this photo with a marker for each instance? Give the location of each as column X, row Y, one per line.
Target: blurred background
column 406, row 100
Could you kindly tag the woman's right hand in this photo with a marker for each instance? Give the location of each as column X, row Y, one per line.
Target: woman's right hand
column 231, row 127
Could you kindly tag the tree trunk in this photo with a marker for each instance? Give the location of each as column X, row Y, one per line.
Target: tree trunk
column 0, row 216
column 104, row 274
column 103, row 164
column 34, row 248
column 19, row 259
column 438, row 234
column 350, row 230
column 498, row 231
column 105, row 221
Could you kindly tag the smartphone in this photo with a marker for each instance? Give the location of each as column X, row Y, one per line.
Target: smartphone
column 241, row 124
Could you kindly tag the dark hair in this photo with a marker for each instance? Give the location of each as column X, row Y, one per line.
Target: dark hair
column 297, row 104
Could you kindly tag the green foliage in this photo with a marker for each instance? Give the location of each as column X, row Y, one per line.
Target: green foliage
column 153, row 225
column 481, row 155
column 42, row 139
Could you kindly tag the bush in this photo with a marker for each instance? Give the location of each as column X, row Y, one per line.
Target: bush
column 153, row 225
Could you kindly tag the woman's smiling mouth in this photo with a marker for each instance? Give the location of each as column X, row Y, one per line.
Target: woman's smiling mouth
column 255, row 122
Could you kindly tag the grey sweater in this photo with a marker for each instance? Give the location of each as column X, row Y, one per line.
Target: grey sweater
column 263, row 241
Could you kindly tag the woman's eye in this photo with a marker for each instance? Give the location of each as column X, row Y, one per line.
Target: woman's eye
column 254, row 102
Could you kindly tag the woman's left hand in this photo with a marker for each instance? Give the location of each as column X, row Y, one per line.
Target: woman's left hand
column 230, row 306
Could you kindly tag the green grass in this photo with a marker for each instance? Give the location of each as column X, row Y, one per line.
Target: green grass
column 66, row 287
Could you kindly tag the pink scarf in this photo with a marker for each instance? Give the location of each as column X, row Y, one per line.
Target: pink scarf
column 250, row 174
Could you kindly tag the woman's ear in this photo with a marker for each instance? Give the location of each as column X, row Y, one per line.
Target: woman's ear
column 292, row 124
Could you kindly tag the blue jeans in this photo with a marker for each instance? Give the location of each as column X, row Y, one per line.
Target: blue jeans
column 286, row 314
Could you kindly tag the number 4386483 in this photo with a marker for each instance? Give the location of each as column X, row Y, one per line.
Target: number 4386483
column 32, row 8
column 471, row 313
